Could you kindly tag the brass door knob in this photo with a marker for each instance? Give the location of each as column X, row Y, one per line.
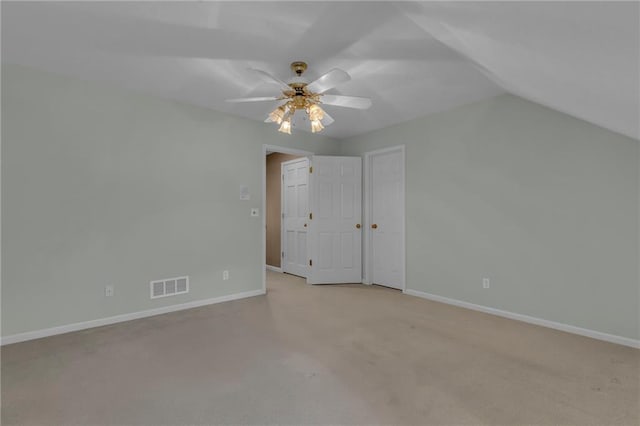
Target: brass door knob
column 374, row 226
column 358, row 225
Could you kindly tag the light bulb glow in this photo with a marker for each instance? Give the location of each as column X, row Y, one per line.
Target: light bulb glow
column 285, row 127
column 277, row 115
column 316, row 126
column 315, row 112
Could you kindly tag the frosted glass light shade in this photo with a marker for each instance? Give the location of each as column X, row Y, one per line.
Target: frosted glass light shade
column 316, row 126
column 285, row 127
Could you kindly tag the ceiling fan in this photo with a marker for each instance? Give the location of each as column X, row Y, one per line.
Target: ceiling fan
column 298, row 94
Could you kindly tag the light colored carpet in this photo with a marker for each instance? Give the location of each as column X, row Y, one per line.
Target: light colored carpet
column 348, row 354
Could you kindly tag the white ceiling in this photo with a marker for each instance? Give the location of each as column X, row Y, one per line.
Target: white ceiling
column 411, row 58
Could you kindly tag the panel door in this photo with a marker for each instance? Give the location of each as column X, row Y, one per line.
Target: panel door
column 387, row 186
column 335, row 227
column 295, row 212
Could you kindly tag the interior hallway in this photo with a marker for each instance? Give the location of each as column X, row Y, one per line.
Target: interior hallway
column 320, row 354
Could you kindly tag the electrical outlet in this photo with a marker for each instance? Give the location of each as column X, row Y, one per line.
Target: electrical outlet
column 108, row 290
column 225, row 275
column 485, row 283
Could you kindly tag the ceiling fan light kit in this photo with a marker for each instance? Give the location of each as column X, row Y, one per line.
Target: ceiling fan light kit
column 285, row 127
column 277, row 115
column 299, row 95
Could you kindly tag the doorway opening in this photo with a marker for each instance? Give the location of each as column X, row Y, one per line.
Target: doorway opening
column 273, row 157
column 323, row 221
column 274, row 208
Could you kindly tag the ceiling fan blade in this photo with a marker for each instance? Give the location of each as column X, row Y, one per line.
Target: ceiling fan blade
column 327, row 120
column 346, row 101
column 328, row 81
column 266, row 98
column 268, row 78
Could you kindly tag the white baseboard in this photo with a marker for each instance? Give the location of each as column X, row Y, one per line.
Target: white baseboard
column 273, row 268
column 626, row 341
column 37, row 334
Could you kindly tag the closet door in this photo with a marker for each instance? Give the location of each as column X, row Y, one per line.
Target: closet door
column 387, row 211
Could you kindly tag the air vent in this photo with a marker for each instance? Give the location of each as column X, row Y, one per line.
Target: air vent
column 169, row 287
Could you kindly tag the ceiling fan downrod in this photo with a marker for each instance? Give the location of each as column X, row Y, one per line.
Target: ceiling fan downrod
column 298, row 67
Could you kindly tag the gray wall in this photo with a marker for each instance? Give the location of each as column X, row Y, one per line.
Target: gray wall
column 544, row 204
column 103, row 186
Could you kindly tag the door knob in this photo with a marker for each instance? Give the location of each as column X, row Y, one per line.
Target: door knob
column 305, row 225
column 358, row 225
column 374, row 226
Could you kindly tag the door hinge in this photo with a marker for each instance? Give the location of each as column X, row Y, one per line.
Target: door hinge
column 310, row 169
column 310, row 262
column 283, row 215
column 310, row 216
column 283, row 254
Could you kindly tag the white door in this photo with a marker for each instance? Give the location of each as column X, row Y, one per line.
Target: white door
column 295, row 212
column 335, row 231
column 386, row 225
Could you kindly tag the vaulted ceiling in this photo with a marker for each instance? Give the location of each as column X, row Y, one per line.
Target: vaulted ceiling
column 410, row 58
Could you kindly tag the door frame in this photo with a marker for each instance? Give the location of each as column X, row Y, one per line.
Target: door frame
column 283, row 150
column 367, row 261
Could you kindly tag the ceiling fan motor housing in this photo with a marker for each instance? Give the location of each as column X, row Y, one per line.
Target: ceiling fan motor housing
column 300, row 99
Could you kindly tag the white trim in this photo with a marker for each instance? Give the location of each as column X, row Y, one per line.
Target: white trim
column 273, row 268
column 284, row 150
column 282, row 189
column 367, row 262
column 612, row 338
column 37, row 334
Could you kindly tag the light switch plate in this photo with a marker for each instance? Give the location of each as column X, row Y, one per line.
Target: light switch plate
column 108, row 290
column 244, row 192
column 255, row 212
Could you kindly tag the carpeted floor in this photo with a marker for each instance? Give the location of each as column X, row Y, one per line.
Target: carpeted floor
column 348, row 354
